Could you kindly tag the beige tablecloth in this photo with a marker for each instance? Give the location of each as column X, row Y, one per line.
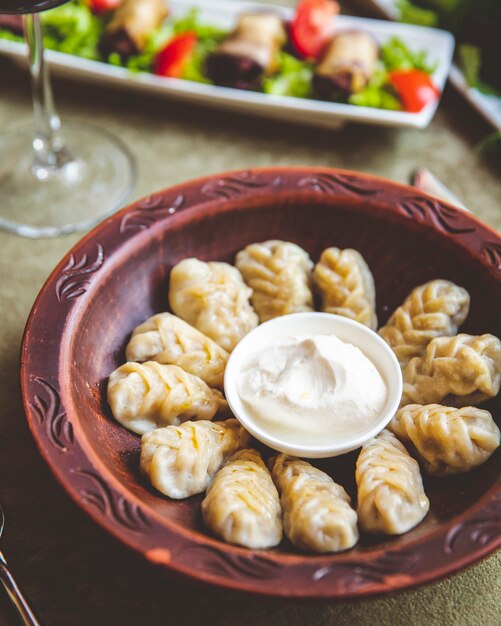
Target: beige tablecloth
column 74, row 573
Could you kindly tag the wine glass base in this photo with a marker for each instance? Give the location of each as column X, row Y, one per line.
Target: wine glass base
column 40, row 201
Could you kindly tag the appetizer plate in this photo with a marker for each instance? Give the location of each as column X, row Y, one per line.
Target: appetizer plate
column 117, row 276
column 438, row 44
column 489, row 106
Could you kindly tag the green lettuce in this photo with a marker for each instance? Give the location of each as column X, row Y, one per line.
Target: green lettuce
column 190, row 23
column 292, row 78
column 6, row 34
column 412, row 14
column 377, row 94
column 70, row 28
column 74, row 29
column 395, row 55
column 144, row 62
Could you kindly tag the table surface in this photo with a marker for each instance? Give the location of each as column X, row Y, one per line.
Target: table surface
column 74, row 573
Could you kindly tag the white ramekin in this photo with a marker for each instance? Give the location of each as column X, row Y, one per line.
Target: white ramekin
column 369, row 342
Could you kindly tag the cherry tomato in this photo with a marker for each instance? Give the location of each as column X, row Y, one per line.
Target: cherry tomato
column 415, row 88
column 101, row 6
column 172, row 59
column 312, row 26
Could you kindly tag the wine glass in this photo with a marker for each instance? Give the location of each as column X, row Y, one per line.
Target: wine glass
column 53, row 179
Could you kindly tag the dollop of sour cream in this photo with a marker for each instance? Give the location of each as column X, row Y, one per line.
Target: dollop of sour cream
column 311, row 388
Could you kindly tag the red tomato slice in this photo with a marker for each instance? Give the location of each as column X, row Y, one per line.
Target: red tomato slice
column 172, row 59
column 415, row 89
column 101, row 6
column 312, row 26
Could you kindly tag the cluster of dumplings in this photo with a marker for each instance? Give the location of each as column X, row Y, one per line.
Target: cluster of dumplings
column 170, row 392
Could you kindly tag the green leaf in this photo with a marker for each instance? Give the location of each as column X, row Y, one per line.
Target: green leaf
column 6, row 34
column 395, row 55
column 292, row 78
column 470, row 59
column 411, row 14
column 190, row 23
column 490, row 145
column 377, row 94
column 74, row 29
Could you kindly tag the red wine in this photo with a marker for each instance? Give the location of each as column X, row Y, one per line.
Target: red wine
column 27, row 6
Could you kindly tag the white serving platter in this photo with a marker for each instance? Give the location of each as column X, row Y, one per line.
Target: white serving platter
column 489, row 106
column 438, row 44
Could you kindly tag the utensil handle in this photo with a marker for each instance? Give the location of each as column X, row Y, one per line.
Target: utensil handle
column 16, row 595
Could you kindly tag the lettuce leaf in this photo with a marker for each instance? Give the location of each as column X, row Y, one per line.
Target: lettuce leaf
column 154, row 43
column 470, row 59
column 395, row 55
column 377, row 94
column 190, row 23
column 74, row 29
column 7, row 34
column 292, row 78
column 412, row 14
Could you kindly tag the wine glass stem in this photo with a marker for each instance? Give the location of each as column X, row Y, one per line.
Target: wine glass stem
column 49, row 151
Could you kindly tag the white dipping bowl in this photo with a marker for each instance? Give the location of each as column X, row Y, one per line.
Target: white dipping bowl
column 369, row 342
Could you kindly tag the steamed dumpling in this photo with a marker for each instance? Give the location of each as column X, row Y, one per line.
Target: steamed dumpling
column 242, row 504
column 346, row 285
column 279, row 274
column 168, row 339
column 317, row 515
column 447, row 440
column 464, row 369
column 145, row 396
column 181, row 460
column 435, row 309
column 391, row 497
column 214, row 298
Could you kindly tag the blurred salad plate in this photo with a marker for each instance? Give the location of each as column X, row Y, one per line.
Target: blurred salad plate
column 476, row 73
column 307, row 65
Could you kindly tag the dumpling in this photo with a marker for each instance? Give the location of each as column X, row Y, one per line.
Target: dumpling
column 145, row 396
column 465, row 367
column 168, row 339
column 346, row 285
column 447, row 440
column 181, row 460
column 279, row 274
column 242, row 504
column 435, row 309
column 391, row 498
column 214, row 298
column 317, row 514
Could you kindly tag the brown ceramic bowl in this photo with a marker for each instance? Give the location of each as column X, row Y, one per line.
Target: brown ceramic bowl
column 117, row 276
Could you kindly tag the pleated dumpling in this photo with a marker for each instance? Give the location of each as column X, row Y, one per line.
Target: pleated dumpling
column 214, row 298
column 435, row 309
column 391, row 497
column 317, row 515
column 346, row 285
column 462, row 370
column 279, row 274
column 180, row 460
column 447, row 440
column 145, row 396
column 168, row 339
column 242, row 504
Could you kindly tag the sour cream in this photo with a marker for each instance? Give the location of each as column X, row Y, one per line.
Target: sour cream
column 312, row 389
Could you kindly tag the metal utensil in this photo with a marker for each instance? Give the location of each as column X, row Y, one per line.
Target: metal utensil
column 426, row 181
column 12, row 588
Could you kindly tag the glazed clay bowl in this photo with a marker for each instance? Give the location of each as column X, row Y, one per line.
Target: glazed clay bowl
column 118, row 275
